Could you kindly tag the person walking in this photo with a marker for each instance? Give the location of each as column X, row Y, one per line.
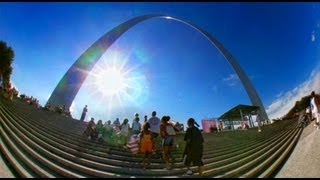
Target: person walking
column 167, row 132
column 193, row 152
column 315, row 104
column 154, row 122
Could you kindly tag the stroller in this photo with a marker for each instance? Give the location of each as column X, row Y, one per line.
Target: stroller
column 303, row 120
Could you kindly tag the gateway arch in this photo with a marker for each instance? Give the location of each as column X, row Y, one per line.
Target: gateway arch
column 69, row 85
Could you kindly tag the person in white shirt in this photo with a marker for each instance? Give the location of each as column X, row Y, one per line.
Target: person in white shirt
column 258, row 120
column 154, row 122
column 314, row 102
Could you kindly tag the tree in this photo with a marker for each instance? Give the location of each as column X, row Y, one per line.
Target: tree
column 6, row 59
column 299, row 106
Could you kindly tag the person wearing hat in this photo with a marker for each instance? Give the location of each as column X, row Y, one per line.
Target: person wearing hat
column 136, row 126
column 193, row 152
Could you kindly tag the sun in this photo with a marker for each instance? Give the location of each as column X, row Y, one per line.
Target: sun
column 110, row 81
column 117, row 83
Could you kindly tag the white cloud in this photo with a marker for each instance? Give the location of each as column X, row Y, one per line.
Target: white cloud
column 231, row 80
column 282, row 105
column 280, row 94
column 214, row 88
column 313, row 36
column 74, row 110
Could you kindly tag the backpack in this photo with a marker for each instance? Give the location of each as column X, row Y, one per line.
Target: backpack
column 170, row 130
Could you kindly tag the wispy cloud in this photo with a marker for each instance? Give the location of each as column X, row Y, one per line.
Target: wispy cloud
column 231, row 80
column 280, row 94
column 214, row 88
column 313, row 36
column 286, row 101
column 13, row 85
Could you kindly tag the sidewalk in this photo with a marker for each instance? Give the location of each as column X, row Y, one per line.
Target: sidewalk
column 304, row 162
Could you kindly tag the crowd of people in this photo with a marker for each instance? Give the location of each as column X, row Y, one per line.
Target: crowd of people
column 32, row 101
column 150, row 133
column 9, row 92
column 58, row 109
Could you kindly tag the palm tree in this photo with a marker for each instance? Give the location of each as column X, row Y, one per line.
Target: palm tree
column 6, row 59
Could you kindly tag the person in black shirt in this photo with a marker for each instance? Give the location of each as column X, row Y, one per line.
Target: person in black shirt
column 194, row 147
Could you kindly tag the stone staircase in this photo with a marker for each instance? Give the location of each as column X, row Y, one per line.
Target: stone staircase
column 38, row 143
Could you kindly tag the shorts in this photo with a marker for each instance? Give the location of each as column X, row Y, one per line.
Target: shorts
column 167, row 141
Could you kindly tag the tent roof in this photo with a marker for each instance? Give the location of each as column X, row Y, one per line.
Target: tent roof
column 234, row 113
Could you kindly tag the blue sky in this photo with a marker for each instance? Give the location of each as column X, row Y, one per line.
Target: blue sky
column 180, row 72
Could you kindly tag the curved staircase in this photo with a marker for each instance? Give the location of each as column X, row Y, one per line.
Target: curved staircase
column 38, row 143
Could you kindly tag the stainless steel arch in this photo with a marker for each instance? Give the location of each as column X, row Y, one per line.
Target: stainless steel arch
column 69, row 85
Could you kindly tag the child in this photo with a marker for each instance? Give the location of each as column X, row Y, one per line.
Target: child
column 146, row 144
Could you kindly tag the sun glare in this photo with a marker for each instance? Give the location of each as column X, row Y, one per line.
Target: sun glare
column 116, row 84
column 110, row 81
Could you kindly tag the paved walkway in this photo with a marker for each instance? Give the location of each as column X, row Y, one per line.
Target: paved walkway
column 304, row 161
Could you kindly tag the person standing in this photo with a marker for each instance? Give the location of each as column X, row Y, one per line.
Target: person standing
column 100, row 130
column 116, row 125
column 167, row 132
column 258, row 120
column 90, row 131
column 193, row 152
column 136, row 126
column 124, row 132
column 84, row 112
column 315, row 104
column 145, row 122
column 145, row 118
column 154, row 122
column 108, row 131
column 146, row 145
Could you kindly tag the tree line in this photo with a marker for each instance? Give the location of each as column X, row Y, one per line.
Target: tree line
column 6, row 59
column 299, row 106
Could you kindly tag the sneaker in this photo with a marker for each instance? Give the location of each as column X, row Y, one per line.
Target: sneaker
column 189, row 172
column 259, row 130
